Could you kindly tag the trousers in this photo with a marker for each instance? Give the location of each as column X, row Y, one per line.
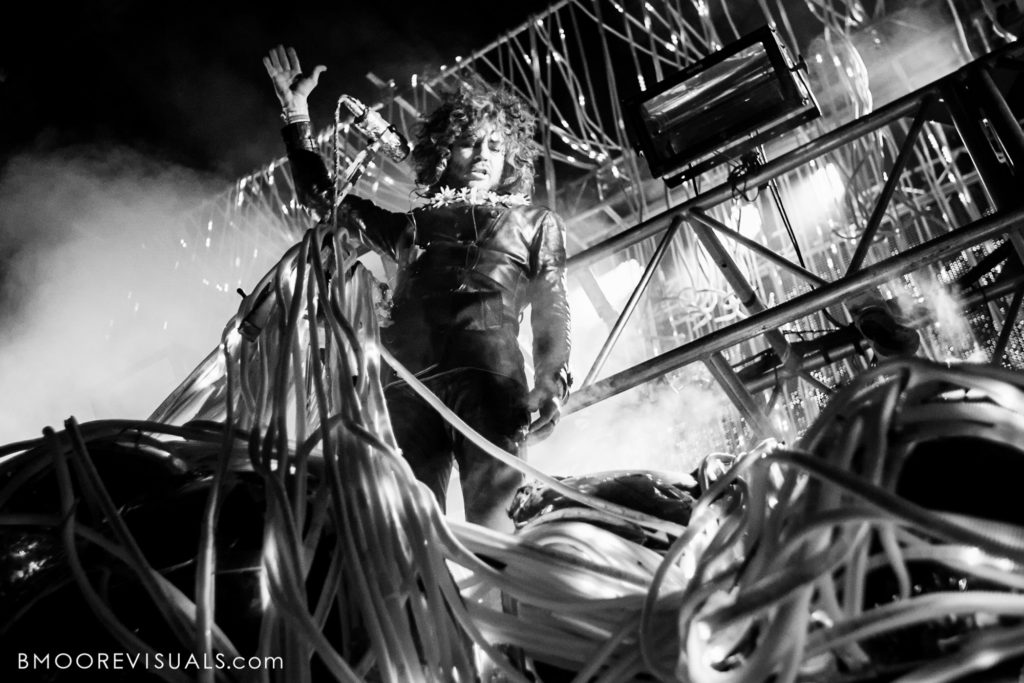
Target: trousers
column 493, row 405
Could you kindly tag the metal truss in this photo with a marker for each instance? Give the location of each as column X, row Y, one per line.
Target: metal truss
column 970, row 102
column 573, row 61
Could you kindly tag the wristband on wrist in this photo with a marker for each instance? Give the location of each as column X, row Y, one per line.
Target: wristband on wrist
column 294, row 115
column 565, row 379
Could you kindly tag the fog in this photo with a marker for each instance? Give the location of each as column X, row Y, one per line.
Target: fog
column 669, row 424
column 949, row 338
column 104, row 309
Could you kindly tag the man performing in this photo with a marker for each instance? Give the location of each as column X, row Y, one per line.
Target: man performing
column 469, row 262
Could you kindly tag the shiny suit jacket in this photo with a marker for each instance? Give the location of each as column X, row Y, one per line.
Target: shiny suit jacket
column 466, row 273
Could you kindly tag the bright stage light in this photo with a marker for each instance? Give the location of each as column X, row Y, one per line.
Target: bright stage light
column 816, row 198
column 719, row 108
column 746, row 219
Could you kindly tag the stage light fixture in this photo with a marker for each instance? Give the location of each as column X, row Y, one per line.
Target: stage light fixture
column 720, row 107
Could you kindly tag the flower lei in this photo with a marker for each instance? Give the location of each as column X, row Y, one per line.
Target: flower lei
column 475, row 196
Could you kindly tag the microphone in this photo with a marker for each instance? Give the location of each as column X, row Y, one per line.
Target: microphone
column 372, row 126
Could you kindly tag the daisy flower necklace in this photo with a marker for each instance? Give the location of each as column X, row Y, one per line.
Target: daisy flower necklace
column 447, row 196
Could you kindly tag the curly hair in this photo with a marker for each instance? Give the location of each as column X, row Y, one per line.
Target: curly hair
column 469, row 105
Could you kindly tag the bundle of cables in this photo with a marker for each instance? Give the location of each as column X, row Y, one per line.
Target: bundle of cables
column 263, row 511
column 827, row 569
column 265, row 514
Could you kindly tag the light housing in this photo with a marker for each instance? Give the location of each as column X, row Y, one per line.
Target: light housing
column 720, row 107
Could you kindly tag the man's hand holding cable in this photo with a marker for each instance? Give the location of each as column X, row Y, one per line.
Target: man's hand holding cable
column 545, row 398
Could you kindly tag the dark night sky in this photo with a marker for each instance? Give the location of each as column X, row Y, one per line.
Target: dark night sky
column 184, row 81
column 117, row 117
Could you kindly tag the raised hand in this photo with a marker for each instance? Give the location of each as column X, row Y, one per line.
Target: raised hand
column 291, row 85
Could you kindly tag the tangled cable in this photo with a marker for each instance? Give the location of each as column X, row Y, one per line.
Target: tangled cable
column 782, row 586
column 362, row 576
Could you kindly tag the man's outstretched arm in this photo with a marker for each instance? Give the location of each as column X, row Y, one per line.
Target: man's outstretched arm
column 382, row 230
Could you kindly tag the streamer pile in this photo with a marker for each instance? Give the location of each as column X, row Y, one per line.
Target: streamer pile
column 264, row 510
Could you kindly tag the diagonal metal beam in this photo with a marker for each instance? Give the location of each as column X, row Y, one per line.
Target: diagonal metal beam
column 835, row 292
column 758, row 248
column 743, row 290
column 737, row 392
column 721, row 370
column 634, row 299
column 1008, row 323
column 882, row 203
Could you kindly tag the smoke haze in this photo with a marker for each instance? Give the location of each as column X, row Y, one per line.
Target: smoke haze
column 950, row 333
column 669, row 424
column 97, row 320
